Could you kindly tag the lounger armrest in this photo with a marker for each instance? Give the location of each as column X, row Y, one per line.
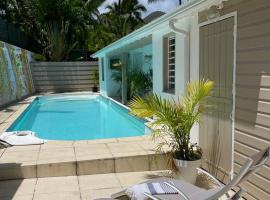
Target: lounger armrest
column 151, row 196
column 177, row 190
column 211, row 176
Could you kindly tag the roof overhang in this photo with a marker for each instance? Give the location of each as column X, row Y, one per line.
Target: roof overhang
column 137, row 43
column 147, row 29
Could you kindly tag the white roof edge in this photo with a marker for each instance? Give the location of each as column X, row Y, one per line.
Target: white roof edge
column 151, row 25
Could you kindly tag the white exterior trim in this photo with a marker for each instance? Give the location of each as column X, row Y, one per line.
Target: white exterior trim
column 234, row 15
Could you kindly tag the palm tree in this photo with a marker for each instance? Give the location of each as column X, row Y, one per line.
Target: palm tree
column 47, row 20
column 115, row 7
column 132, row 8
column 174, row 119
column 123, row 17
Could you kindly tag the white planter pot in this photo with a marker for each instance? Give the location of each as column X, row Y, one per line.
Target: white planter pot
column 187, row 169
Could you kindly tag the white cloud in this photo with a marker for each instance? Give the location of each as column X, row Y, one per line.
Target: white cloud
column 162, row 5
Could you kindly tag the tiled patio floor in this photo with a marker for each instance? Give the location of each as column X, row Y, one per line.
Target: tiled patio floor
column 72, row 187
column 86, row 187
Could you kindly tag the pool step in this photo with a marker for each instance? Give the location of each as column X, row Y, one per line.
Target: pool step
column 99, row 164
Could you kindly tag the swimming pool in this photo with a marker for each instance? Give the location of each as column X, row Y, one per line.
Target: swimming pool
column 78, row 117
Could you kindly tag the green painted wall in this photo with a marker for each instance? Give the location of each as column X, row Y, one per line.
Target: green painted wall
column 15, row 74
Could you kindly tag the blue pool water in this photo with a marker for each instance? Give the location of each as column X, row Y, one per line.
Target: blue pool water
column 78, row 118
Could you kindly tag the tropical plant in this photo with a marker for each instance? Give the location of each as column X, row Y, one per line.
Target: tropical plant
column 58, row 46
column 139, row 82
column 123, row 17
column 57, row 25
column 100, row 33
column 117, row 75
column 132, row 8
column 174, row 119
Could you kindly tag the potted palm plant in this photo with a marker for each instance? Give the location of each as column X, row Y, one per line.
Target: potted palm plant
column 95, row 81
column 173, row 123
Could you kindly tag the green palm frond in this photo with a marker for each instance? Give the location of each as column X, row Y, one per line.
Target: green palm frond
column 154, row 105
column 174, row 119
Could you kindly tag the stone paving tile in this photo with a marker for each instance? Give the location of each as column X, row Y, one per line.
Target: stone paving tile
column 133, row 139
column 57, row 145
column 101, row 193
column 56, row 155
column 57, row 185
column 58, row 196
column 17, row 188
column 98, row 181
column 4, row 116
column 90, row 157
column 93, row 149
column 148, row 145
column 131, row 178
column 80, row 143
column 23, row 148
column 21, row 197
column 124, row 147
column 16, row 114
column 19, row 156
column 4, row 126
column 103, row 141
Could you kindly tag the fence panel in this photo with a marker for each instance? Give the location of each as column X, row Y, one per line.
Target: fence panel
column 63, row 76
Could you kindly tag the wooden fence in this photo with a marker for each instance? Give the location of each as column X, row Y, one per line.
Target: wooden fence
column 63, row 76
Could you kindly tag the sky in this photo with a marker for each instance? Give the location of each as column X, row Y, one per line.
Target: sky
column 162, row 5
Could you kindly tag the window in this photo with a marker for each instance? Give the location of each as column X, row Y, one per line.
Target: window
column 102, row 69
column 169, row 64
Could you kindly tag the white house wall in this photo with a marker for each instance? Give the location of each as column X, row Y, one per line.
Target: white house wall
column 158, row 64
column 183, row 70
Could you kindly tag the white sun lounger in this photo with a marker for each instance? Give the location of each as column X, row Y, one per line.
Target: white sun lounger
column 20, row 138
column 187, row 191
